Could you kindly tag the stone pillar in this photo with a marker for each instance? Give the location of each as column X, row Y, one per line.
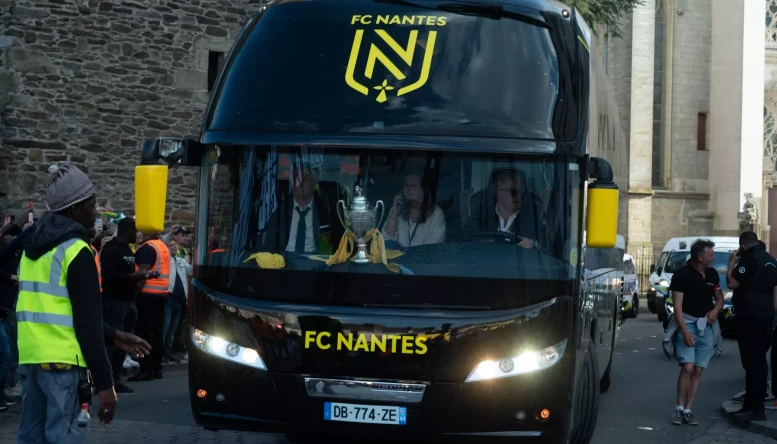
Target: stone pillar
column 736, row 123
column 641, row 128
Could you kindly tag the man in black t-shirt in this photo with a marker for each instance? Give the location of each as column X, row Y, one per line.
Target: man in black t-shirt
column 752, row 274
column 117, row 265
column 694, row 287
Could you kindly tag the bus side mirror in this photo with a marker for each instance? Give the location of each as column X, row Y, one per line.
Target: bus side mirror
column 151, row 177
column 172, row 151
column 652, row 268
column 602, row 218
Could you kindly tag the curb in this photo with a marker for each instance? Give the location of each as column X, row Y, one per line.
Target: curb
column 766, row 428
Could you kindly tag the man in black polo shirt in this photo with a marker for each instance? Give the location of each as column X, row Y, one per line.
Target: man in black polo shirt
column 752, row 274
column 694, row 287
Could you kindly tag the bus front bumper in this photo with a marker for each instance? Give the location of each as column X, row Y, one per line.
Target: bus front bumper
column 242, row 398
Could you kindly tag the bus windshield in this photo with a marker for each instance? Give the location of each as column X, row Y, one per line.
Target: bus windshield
column 470, row 230
column 337, row 67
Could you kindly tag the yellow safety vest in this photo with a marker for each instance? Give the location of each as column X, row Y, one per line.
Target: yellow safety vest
column 44, row 313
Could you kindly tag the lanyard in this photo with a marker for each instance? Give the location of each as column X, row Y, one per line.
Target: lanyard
column 412, row 235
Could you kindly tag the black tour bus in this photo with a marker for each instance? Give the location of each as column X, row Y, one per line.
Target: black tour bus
column 459, row 300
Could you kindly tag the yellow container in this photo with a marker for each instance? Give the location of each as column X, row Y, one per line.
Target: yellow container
column 150, row 197
column 602, row 219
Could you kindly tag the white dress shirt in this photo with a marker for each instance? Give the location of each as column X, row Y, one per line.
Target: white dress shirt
column 504, row 226
column 310, row 243
column 411, row 234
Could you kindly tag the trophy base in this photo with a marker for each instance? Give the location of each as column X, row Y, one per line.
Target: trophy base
column 361, row 260
column 361, row 256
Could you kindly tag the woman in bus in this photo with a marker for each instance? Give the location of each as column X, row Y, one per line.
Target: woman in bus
column 413, row 220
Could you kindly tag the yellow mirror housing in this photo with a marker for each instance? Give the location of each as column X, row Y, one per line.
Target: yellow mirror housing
column 150, row 197
column 602, row 218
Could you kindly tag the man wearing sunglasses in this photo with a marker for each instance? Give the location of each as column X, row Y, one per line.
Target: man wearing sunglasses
column 515, row 210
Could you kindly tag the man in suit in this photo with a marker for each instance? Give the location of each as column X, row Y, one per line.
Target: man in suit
column 513, row 209
column 305, row 221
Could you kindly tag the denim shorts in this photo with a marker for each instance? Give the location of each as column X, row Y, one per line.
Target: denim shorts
column 702, row 352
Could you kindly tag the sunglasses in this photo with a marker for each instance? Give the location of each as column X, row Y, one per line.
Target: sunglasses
column 513, row 191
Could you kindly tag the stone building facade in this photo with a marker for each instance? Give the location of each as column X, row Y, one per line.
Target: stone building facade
column 86, row 81
column 683, row 73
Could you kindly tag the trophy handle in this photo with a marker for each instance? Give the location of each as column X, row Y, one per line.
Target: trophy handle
column 382, row 213
column 341, row 217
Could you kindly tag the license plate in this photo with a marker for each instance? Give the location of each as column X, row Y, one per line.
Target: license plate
column 367, row 414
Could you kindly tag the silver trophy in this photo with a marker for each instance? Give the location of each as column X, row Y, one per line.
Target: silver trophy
column 360, row 219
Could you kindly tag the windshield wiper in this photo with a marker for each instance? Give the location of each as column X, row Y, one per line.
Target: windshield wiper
column 488, row 10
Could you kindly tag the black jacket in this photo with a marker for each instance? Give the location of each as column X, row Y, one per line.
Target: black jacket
column 9, row 264
column 327, row 229
column 756, row 273
column 82, row 286
column 529, row 223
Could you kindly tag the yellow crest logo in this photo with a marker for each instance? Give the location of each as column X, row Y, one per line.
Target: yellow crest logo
column 377, row 38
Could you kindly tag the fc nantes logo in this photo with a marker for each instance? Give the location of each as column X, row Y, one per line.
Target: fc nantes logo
column 412, row 47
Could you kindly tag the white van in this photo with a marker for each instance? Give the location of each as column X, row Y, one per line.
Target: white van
column 675, row 254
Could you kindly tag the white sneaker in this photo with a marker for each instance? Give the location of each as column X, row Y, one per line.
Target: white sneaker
column 130, row 363
column 13, row 392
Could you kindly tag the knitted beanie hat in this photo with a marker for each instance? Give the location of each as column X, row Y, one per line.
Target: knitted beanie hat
column 67, row 186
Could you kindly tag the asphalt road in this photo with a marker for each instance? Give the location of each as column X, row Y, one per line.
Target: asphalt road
column 641, row 399
column 637, row 408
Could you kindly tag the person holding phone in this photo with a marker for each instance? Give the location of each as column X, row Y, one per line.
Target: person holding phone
column 752, row 274
column 413, row 220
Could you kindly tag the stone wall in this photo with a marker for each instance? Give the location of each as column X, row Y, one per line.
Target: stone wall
column 675, row 216
column 691, row 66
column 86, row 81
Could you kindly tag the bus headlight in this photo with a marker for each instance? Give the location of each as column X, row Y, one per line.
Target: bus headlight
column 526, row 362
column 213, row 345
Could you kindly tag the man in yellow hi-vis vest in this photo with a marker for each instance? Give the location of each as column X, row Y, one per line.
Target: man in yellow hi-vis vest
column 59, row 312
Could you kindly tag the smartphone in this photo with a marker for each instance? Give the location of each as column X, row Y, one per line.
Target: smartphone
column 30, row 213
column 98, row 224
column 13, row 218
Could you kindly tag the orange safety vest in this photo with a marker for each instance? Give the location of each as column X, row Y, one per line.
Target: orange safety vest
column 99, row 270
column 161, row 284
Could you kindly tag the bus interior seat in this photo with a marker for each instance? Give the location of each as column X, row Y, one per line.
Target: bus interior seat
column 445, row 205
column 464, row 197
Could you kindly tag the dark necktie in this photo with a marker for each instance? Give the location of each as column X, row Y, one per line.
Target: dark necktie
column 301, row 230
